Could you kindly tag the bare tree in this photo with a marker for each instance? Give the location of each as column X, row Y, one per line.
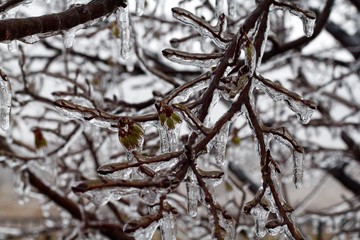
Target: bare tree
column 142, row 123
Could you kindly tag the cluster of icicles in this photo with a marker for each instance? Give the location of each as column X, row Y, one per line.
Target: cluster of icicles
column 169, row 137
column 122, row 20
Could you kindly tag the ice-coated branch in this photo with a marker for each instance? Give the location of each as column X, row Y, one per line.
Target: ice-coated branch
column 9, row 4
column 11, row 29
column 112, row 167
column 195, row 59
column 88, row 185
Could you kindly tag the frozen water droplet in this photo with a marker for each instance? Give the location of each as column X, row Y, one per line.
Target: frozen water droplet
column 122, row 18
column 32, row 39
column 99, row 196
column 146, row 233
column 302, row 111
column 298, row 159
column 309, row 26
column 168, row 226
column 275, row 231
column 220, row 143
column 140, row 5
column 164, row 140
column 13, row 46
column 231, row 8
column 192, row 188
column 5, row 103
column 68, row 38
column 149, row 196
column 308, row 19
column 260, row 217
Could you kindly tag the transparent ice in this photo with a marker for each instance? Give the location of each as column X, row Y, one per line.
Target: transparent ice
column 204, row 28
column 231, row 8
column 308, row 21
column 69, row 37
column 220, row 143
column 140, row 5
column 122, row 18
column 298, row 159
column 5, row 103
column 260, row 217
column 193, row 190
column 146, row 233
column 13, row 46
column 168, row 226
column 302, row 111
column 219, row 7
column 263, row 45
column 193, row 59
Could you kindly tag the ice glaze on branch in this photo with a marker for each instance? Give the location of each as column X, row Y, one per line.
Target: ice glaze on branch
column 11, row 29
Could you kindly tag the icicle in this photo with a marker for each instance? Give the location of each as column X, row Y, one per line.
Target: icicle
column 149, row 196
column 214, row 101
column 146, row 233
column 68, row 38
column 71, row 141
column 32, row 39
column 212, row 178
column 122, row 18
column 220, row 143
column 308, row 21
column 192, row 193
column 168, row 226
column 164, row 140
column 298, row 169
column 173, row 136
column 203, row 27
column 193, row 59
column 99, row 196
column 140, row 5
column 231, row 8
column 260, row 217
column 263, row 45
column 219, row 7
column 303, row 112
column 22, row 185
column 276, row 230
column 5, row 101
column 12, row 46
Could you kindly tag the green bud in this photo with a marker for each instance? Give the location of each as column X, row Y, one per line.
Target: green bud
column 236, row 140
column 162, row 118
column 176, row 117
column 170, row 123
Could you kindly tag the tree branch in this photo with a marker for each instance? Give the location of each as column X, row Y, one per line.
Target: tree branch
column 11, row 29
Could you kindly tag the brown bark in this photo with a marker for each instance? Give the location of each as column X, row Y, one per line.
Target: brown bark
column 11, row 29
